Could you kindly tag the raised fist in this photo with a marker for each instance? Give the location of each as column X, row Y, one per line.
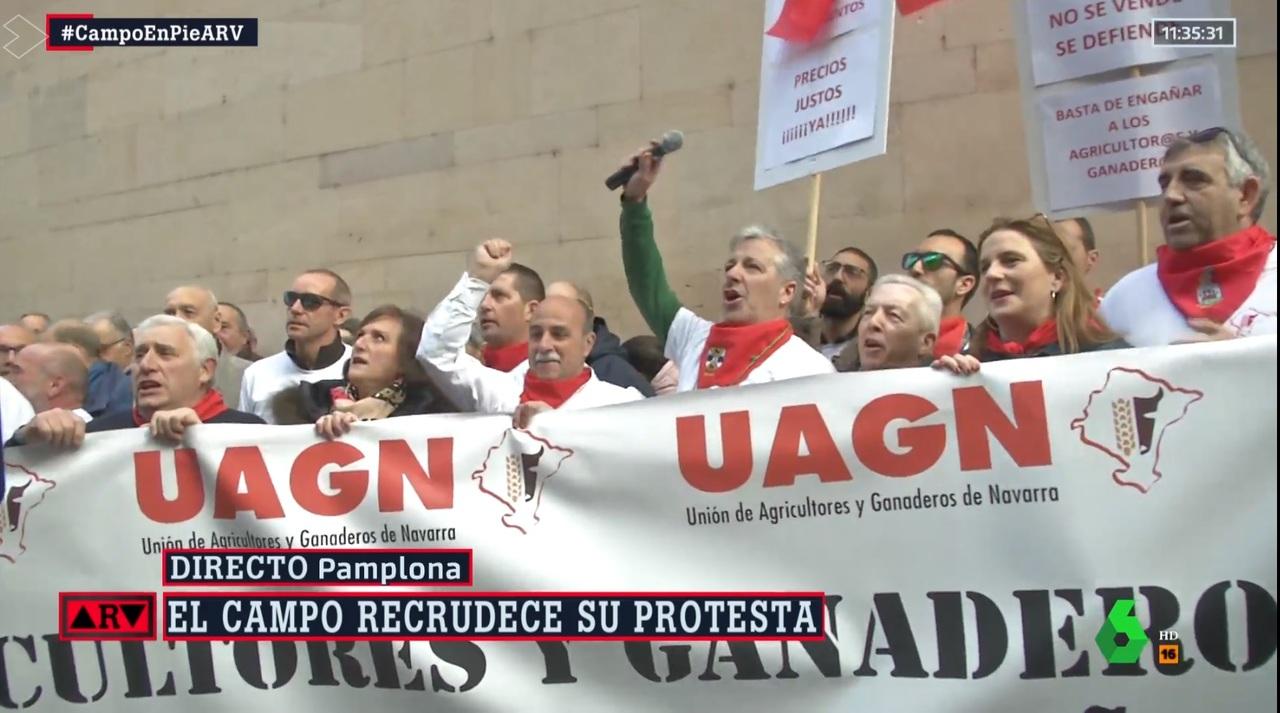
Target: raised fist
column 490, row 259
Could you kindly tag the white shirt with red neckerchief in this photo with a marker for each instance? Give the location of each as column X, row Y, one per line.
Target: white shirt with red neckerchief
column 687, row 338
column 471, row 385
column 1138, row 309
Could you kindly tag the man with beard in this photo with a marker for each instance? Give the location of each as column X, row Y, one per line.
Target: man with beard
column 847, row 275
column 948, row 262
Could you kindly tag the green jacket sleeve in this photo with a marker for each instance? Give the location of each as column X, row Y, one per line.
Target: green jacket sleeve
column 643, row 265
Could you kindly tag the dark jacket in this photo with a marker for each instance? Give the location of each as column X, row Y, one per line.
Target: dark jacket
column 609, row 361
column 1055, row 350
column 110, row 390
column 121, row 420
column 316, row 399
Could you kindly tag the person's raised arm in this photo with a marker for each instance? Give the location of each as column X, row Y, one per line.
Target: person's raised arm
column 646, row 277
column 442, row 350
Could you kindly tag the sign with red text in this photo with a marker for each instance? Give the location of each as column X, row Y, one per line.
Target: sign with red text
column 819, row 97
column 1104, row 142
column 1077, row 38
column 970, row 535
column 824, row 103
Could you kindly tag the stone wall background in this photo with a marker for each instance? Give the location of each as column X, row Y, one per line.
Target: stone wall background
column 382, row 138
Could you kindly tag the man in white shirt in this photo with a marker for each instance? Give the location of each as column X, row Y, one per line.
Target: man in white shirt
column 753, row 342
column 555, row 375
column 1215, row 276
column 318, row 301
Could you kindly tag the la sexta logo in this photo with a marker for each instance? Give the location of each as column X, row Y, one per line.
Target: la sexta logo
column 23, row 491
column 1128, row 417
column 516, row 471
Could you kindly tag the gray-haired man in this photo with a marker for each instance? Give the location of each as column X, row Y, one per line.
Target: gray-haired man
column 899, row 324
column 1215, row 276
column 763, row 275
column 172, row 385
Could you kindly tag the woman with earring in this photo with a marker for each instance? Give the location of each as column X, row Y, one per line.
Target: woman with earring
column 1037, row 299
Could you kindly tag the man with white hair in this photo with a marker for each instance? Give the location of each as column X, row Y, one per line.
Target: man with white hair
column 753, row 342
column 174, row 363
column 899, row 325
column 1215, row 276
column 199, row 305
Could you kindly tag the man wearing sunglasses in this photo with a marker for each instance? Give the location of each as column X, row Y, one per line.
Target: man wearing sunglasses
column 948, row 262
column 1215, row 276
column 199, row 305
column 848, row 275
column 318, row 301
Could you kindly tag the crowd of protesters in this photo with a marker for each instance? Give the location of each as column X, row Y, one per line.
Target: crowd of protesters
column 503, row 341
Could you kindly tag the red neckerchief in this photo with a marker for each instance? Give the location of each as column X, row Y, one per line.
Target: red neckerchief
column 206, row 408
column 1214, row 279
column 952, row 334
column 1043, row 336
column 506, row 358
column 734, row 350
column 553, row 392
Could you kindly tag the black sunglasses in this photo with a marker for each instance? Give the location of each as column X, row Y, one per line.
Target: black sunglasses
column 310, row 302
column 931, row 261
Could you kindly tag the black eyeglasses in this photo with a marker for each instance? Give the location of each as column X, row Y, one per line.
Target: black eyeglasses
column 831, row 268
column 931, row 261
column 310, row 301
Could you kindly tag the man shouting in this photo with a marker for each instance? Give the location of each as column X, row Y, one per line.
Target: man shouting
column 753, row 342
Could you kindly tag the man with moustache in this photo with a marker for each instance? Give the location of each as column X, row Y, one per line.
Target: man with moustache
column 555, row 374
column 847, row 275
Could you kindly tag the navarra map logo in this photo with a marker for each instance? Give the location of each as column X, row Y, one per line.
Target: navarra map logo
column 515, row 473
column 1246, row 322
column 23, row 491
column 1128, row 417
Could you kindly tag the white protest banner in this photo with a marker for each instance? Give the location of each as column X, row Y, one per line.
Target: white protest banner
column 1104, row 142
column 824, row 103
column 972, row 536
column 1076, row 38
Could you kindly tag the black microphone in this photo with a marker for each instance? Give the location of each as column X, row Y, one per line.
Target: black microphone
column 671, row 141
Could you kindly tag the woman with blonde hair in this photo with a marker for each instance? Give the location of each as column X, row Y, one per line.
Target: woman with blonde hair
column 1038, row 302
